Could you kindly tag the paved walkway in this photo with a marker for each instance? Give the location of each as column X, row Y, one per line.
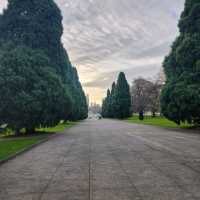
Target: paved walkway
column 107, row 160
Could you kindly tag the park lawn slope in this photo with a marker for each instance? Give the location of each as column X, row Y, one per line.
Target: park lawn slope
column 10, row 147
column 59, row 128
column 157, row 121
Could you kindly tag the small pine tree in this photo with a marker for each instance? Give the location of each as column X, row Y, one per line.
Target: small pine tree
column 113, row 101
column 106, row 105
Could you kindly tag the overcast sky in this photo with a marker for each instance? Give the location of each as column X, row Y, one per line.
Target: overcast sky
column 104, row 37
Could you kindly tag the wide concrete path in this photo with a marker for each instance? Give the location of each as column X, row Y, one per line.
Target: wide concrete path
column 107, row 160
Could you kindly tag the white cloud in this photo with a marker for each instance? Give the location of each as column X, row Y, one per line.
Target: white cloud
column 105, row 36
column 3, row 4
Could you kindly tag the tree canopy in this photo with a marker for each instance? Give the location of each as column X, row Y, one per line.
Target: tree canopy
column 180, row 100
column 145, row 97
column 117, row 104
column 32, row 95
column 36, row 25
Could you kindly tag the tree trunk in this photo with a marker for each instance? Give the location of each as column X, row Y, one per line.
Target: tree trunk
column 17, row 132
column 30, row 131
column 153, row 114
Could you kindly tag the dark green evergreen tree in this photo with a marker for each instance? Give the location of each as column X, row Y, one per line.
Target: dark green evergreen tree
column 123, row 97
column 113, row 101
column 80, row 107
column 32, row 95
column 37, row 24
column 105, row 105
column 103, row 110
column 117, row 104
column 180, row 99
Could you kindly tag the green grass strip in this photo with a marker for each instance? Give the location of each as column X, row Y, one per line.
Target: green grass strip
column 59, row 128
column 157, row 121
column 10, row 147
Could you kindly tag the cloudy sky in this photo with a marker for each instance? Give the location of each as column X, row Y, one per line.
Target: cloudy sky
column 104, row 37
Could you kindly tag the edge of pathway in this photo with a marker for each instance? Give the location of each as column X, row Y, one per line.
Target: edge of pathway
column 11, row 157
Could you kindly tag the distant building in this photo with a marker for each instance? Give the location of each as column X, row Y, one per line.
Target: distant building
column 95, row 108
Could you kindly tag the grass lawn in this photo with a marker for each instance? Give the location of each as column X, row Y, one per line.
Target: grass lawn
column 10, row 147
column 59, row 128
column 157, row 121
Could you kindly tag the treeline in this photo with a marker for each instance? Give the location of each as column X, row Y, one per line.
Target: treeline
column 179, row 98
column 142, row 97
column 117, row 104
column 38, row 84
column 180, row 101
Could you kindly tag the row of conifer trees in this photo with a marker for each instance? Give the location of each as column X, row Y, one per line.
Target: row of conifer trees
column 38, row 84
column 180, row 97
column 117, row 104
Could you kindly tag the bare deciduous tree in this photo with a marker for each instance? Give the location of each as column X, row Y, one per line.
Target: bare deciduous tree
column 145, row 96
column 154, row 98
column 140, row 96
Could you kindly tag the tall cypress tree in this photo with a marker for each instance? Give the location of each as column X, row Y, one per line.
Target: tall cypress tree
column 106, row 105
column 37, row 24
column 103, row 110
column 117, row 104
column 123, row 97
column 80, row 107
column 113, row 101
column 32, row 95
column 180, row 100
